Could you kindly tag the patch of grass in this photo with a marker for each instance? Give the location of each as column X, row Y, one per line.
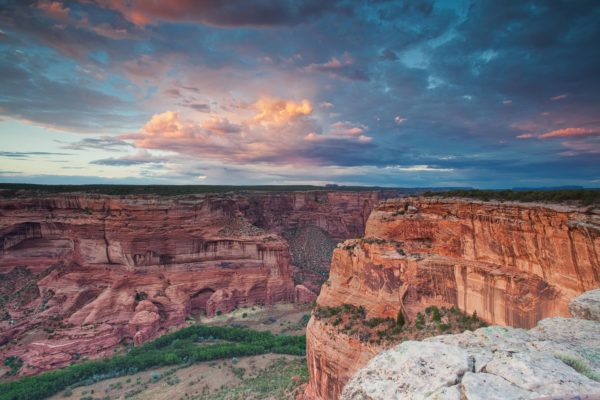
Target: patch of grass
column 280, row 380
column 579, row 365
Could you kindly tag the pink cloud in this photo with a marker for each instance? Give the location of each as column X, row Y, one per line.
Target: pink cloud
column 343, row 68
column 580, row 147
column 221, row 126
column 526, row 136
column 281, row 131
column 345, row 128
column 570, row 132
column 54, row 9
column 279, row 111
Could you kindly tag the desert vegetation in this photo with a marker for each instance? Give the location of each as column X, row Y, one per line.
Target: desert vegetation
column 351, row 320
column 186, row 346
column 281, row 380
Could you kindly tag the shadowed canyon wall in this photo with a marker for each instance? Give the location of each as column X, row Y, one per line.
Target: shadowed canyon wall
column 513, row 264
column 81, row 273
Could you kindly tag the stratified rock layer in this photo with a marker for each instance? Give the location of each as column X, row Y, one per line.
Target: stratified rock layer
column 511, row 263
column 81, row 273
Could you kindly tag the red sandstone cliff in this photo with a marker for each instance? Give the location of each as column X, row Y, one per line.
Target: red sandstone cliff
column 513, row 264
column 80, row 273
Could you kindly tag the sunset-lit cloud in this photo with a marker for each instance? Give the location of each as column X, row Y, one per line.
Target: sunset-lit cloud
column 279, row 111
column 345, row 128
column 230, row 13
column 570, row 132
column 526, row 136
column 54, row 9
column 343, row 68
column 367, row 92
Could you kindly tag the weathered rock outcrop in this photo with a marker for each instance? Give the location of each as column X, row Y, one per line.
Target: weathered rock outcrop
column 511, row 263
column 557, row 358
column 586, row 306
column 81, row 273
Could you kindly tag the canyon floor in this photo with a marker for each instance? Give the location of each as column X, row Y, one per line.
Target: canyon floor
column 265, row 376
column 268, row 376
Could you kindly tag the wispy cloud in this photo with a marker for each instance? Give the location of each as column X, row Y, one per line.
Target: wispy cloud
column 27, row 154
column 141, row 157
column 559, row 97
column 342, row 68
column 97, row 143
column 570, row 132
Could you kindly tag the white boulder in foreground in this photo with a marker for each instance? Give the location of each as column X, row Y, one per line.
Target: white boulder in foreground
column 558, row 359
column 586, row 306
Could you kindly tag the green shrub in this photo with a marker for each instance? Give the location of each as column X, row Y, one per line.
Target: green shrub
column 14, row 363
column 400, row 319
column 420, row 321
column 434, row 312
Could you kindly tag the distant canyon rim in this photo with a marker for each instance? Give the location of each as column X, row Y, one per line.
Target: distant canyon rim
column 83, row 273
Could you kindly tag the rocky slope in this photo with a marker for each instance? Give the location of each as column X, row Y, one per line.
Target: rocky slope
column 81, row 273
column 513, row 264
column 559, row 358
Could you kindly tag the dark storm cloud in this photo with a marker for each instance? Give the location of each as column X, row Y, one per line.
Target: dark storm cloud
column 525, row 51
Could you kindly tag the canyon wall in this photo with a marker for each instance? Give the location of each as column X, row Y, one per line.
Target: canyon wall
column 513, row 264
column 81, row 273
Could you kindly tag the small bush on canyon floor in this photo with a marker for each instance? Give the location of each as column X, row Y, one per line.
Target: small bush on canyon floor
column 14, row 363
column 351, row 320
column 180, row 347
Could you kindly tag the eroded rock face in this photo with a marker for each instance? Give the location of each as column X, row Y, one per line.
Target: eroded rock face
column 85, row 272
column 513, row 264
column 490, row 363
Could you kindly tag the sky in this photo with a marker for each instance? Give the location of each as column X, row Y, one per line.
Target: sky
column 417, row 93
